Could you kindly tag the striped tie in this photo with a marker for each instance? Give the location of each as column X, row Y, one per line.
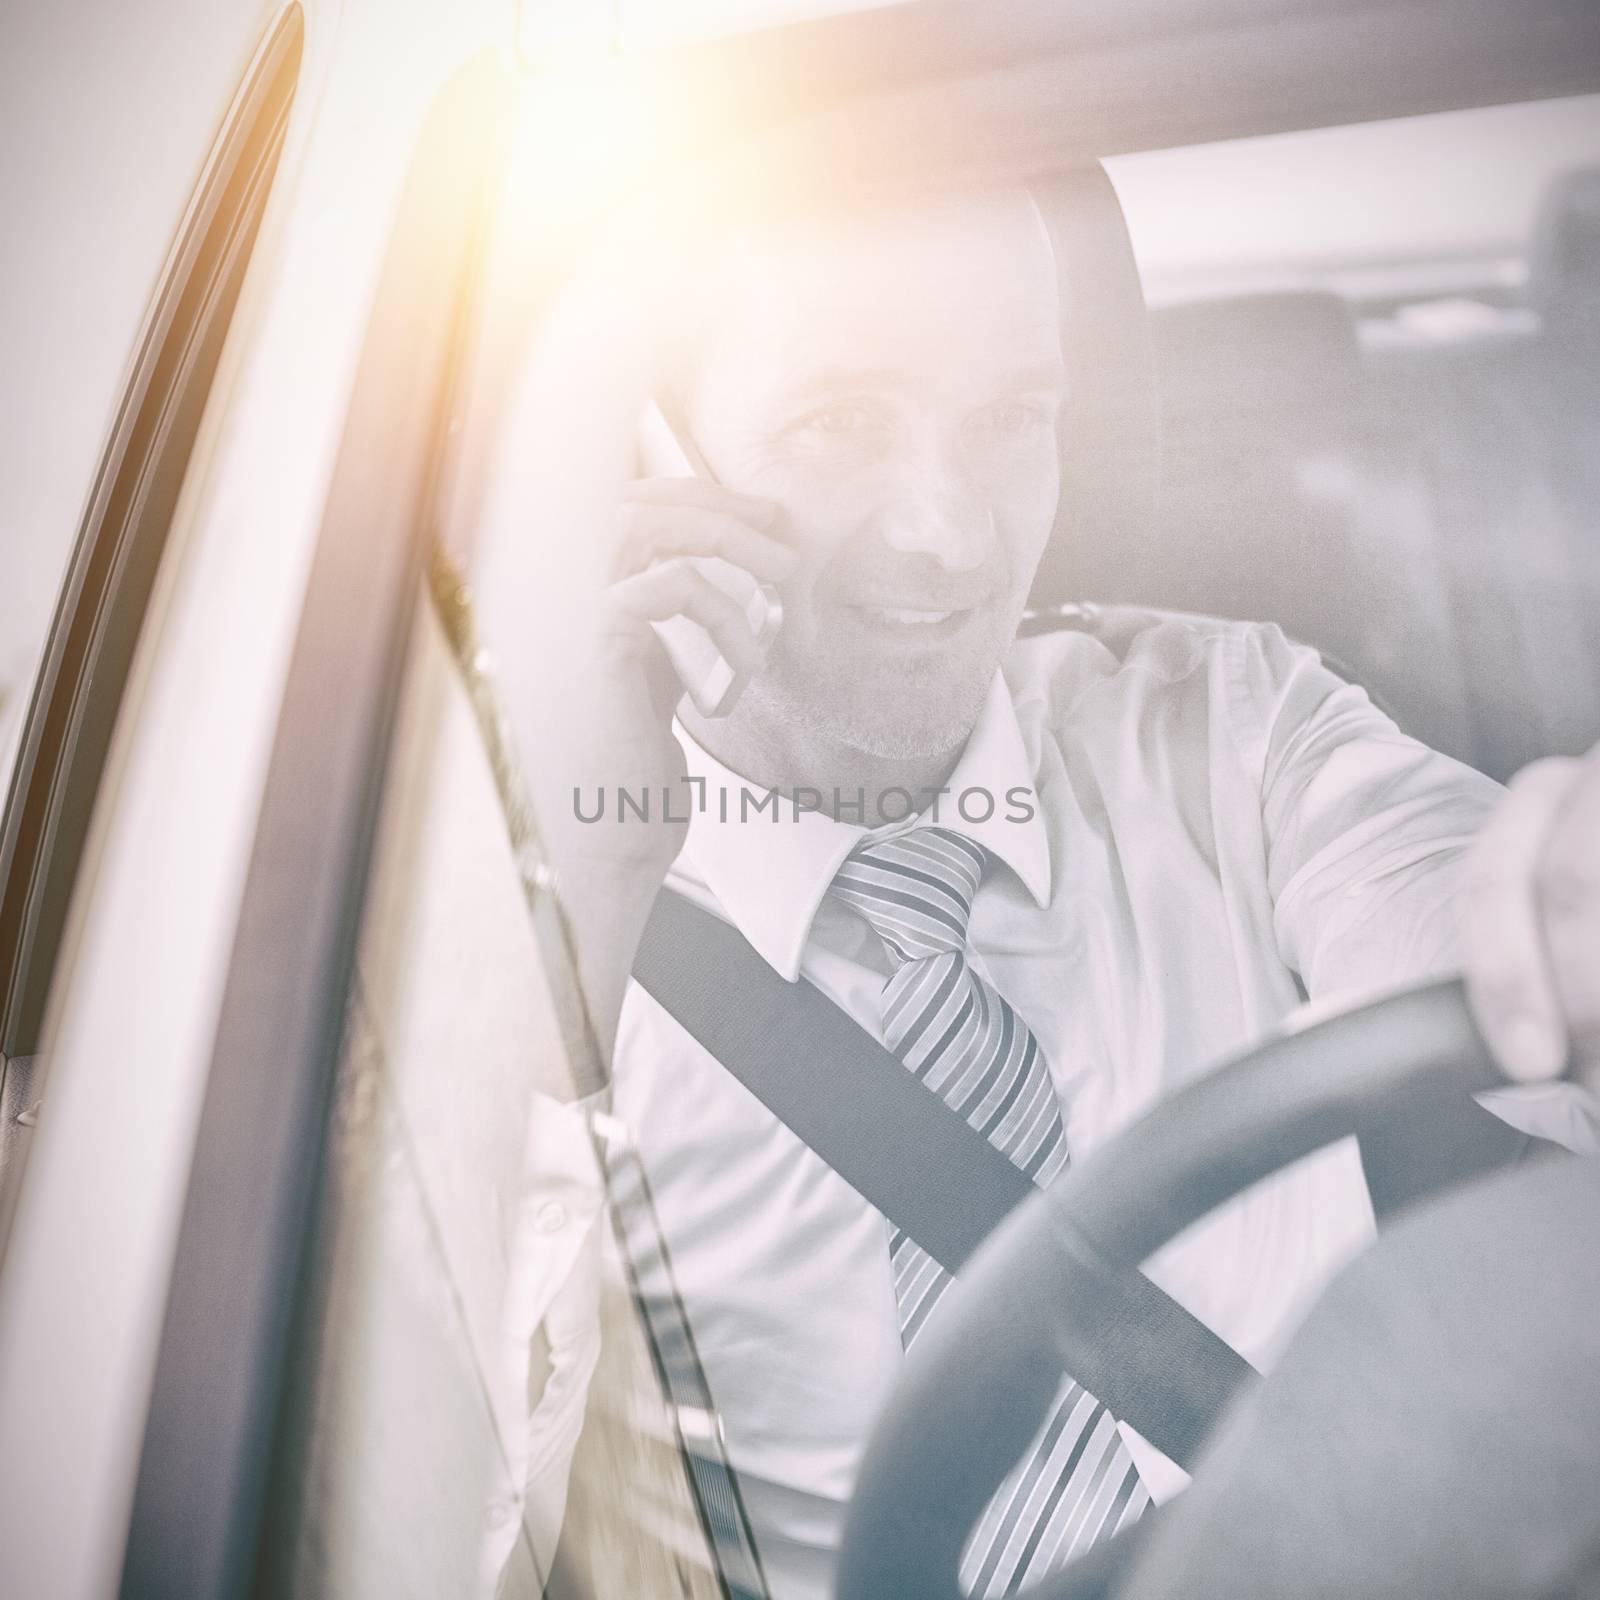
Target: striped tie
column 1076, row 1483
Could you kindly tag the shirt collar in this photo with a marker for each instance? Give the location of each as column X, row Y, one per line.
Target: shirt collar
column 769, row 875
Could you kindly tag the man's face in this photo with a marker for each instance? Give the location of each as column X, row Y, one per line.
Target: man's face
column 893, row 384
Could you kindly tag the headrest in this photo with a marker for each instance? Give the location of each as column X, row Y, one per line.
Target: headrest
column 1256, row 350
column 1564, row 260
column 1110, row 437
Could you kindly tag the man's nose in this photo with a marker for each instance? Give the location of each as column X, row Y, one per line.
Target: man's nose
column 935, row 510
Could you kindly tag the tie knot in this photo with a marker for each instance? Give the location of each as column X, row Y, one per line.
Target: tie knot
column 915, row 889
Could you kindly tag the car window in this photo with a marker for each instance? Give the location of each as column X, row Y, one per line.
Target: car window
column 1376, row 349
column 505, row 1371
column 1411, row 206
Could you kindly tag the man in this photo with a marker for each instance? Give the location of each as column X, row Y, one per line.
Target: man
column 1058, row 878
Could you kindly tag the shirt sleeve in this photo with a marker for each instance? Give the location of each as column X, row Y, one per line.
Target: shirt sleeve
column 1365, row 829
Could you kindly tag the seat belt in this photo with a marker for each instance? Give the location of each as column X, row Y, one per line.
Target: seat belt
column 921, row 1164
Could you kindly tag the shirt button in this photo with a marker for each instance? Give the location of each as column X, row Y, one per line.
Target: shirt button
column 551, row 1217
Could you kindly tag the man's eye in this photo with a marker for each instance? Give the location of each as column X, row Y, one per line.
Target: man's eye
column 1008, row 420
column 836, row 422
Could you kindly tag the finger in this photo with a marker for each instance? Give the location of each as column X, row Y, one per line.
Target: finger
column 660, row 532
column 674, row 589
column 707, row 494
column 1509, row 983
column 1568, row 893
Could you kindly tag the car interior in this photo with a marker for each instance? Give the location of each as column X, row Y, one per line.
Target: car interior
column 1320, row 427
column 337, row 1407
column 1393, row 453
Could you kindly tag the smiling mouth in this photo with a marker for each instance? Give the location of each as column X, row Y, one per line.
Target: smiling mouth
column 910, row 624
column 906, row 614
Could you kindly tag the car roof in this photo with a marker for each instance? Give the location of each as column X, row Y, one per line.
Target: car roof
column 1003, row 87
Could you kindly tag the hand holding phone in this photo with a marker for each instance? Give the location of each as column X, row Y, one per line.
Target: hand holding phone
column 712, row 682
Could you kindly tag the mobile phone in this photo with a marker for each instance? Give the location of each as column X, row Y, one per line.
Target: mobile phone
column 708, row 678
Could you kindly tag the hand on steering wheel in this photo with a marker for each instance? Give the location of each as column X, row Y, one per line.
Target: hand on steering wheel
column 1531, row 923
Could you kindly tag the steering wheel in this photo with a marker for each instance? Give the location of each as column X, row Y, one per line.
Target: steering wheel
column 979, row 1381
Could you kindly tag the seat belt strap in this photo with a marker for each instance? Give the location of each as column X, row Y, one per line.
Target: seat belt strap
column 913, row 1158
column 889, row 1136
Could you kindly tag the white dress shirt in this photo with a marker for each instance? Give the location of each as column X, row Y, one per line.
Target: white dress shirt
column 1222, row 827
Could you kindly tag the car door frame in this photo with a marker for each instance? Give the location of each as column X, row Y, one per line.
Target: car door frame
column 111, row 574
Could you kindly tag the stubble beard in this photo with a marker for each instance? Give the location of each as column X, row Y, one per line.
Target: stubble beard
column 886, row 716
